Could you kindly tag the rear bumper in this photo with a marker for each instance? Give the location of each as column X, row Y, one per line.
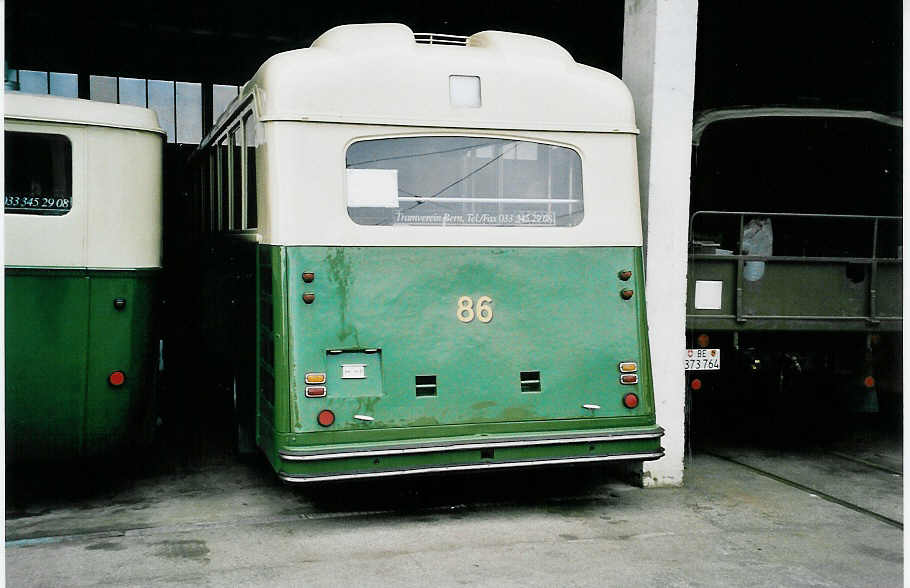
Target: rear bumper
column 469, row 453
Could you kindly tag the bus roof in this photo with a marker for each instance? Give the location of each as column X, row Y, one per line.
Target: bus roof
column 385, row 74
column 706, row 118
column 35, row 107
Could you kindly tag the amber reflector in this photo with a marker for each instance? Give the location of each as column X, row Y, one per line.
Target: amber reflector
column 325, row 418
column 695, row 384
column 315, row 391
column 630, row 400
column 314, row 378
column 629, row 378
column 628, row 367
column 869, row 382
column 116, row 378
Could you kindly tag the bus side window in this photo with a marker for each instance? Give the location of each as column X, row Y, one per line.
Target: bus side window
column 249, row 163
column 212, row 193
column 224, row 182
column 202, row 196
column 237, row 178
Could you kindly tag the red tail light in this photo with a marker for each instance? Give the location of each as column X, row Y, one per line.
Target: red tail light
column 869, row 382
column 629, row 378
column 325, row 418
column 117, row 378
column 315, row 392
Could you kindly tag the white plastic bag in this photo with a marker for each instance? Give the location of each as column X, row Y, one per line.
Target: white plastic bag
column 757, row 240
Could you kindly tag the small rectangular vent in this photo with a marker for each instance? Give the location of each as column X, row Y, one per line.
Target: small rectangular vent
column 426, row 385
column 530, row 381
column 440, row 39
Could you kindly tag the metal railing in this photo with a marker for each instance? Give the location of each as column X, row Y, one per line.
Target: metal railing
column 874, row 223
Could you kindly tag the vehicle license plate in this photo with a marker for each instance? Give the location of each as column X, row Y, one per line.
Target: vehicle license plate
column 702, row 359
column 353, row 371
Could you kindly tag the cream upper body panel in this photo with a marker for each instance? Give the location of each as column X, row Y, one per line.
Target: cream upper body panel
column 115, row 221
column 302, row 191
column 362, row 82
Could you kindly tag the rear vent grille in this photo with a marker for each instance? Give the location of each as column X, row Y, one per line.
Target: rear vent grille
column 530, row 381
column 440, row 39
column 426, row 385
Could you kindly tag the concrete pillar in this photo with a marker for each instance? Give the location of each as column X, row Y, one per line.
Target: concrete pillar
column 658, row 65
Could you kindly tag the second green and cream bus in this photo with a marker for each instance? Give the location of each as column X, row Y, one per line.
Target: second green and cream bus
column 425, row 255
column 83, row 244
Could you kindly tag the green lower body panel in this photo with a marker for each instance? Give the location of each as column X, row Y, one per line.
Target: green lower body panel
column 64, row 338
column 430, row 359
column 476, row 452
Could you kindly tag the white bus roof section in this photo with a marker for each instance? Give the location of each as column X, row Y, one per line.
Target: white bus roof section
column 32, row 107
column 708, row 117
column 379, row 74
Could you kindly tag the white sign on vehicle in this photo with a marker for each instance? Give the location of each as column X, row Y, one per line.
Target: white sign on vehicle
column 702, row 359
column 353, row 371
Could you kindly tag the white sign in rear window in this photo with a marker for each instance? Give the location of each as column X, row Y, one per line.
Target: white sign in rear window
column 372, row 188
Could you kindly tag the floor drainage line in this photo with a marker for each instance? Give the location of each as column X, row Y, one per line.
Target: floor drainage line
column 814, row 492
column 867, row 463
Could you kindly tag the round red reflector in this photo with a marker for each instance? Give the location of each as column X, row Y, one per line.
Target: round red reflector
column 703, row 340
column 869, row 382
column 326, row 418
column 626, row 294
column 116, row 378
column 630, row 400
column 695, row 384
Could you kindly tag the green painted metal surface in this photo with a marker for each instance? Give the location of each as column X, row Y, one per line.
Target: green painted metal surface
column 63, row 339
column 794, row 295
column 555, row 311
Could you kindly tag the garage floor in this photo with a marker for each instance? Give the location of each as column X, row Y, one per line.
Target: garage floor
column 828, row 516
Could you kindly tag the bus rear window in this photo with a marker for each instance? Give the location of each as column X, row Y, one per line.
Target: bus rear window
column 38, row 173
column 463, row 181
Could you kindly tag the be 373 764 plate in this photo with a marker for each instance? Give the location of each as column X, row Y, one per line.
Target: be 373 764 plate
column 702, row 359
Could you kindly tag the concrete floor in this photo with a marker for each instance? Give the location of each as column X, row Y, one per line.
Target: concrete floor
column 235, row 525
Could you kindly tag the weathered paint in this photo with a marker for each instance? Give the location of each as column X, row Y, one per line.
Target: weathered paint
column 555, row 310
column 63, row 339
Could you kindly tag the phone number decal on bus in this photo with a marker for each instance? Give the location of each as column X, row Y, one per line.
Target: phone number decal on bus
column 702, row 359
column 37, row 203
column 543, row 219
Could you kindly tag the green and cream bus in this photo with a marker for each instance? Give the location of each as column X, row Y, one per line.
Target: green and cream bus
column 82, row 225
column 428, row 257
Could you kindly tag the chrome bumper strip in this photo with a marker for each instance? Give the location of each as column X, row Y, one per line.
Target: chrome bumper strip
column 469, row 445
column 475, row 466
